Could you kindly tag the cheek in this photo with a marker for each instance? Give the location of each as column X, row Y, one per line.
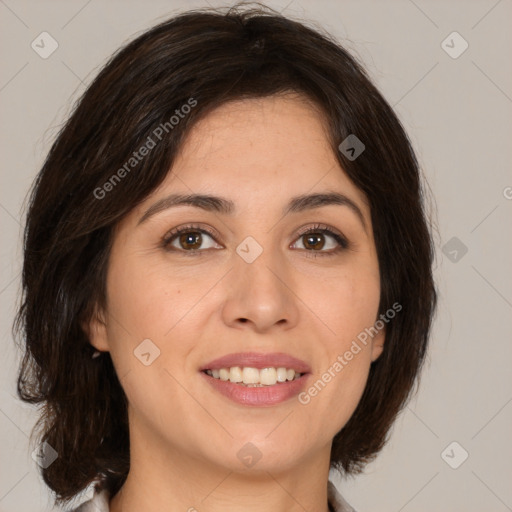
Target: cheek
column 148, row 308
column 153, row 301
column 150, row 299
column 333, row 395
column 348, row 305
column 348, row 308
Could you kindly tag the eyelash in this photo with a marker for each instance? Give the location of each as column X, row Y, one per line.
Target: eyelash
column 343, row 243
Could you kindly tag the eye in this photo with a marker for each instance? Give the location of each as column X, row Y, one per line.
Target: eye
column 321, row 239
column 189, row 239
column 318, row 240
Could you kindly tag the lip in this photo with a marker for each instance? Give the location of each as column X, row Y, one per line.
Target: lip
column 259, row 361
column 258, row 396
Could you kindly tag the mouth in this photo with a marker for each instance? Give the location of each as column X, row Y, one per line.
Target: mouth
column 257, row 379
column 254, row 377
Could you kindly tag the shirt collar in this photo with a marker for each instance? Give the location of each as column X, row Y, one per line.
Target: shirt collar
column 100, row 501
column 336, row 499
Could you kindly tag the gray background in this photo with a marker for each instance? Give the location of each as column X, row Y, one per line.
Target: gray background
column 458, row 114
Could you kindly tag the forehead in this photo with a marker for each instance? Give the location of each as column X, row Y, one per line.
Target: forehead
column 272, row 144
column 262, row 156
column 264, row 132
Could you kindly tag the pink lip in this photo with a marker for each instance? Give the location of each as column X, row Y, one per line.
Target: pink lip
column 263, row 396
column 257, row 360
column 258, row 396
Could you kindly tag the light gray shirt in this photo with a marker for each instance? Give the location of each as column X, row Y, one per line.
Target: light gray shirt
column 100, row 501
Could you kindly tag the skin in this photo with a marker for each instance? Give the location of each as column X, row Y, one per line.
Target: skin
column 184, row 435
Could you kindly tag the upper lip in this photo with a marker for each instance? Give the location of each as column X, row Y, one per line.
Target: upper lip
column 258, row 360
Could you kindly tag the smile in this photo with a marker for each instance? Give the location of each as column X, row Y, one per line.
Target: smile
column 254, row 377
column 257, row 394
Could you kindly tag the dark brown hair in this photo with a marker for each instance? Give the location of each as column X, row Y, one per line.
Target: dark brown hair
column 212, row 57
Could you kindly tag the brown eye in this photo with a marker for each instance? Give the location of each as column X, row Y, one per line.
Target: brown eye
column 321, row 241
column 314, row 241
column 189, row 239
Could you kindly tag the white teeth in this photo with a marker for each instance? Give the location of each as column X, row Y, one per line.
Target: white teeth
column 235, row 374
column 268, row 376
column 248, row 376
column 281, row 375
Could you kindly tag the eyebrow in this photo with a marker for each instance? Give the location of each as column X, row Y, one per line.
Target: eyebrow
column 225, row 206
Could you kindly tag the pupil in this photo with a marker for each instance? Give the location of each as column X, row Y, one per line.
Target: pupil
column 189, row 239
column 311, row 241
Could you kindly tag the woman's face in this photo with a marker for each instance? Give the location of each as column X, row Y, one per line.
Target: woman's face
column 248, row 283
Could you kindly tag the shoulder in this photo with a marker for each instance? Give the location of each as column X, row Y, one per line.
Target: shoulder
column 98, row 503
column 336, row 499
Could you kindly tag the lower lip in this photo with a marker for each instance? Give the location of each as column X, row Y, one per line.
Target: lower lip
column 258, row 396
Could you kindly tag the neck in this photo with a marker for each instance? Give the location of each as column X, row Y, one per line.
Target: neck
column 168, row 480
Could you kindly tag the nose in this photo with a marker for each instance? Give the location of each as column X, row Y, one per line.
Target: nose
column 260, row 295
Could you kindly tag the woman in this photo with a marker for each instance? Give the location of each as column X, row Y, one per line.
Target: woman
column 227, row 273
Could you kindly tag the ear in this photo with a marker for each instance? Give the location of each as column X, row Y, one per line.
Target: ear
column 96, row 330
column 378, row 344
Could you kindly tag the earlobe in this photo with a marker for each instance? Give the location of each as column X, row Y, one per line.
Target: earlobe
column 378, row 344
column 96, row 330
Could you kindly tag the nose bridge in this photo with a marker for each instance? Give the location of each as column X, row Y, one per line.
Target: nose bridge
column 259, row 291
column 259, row 265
